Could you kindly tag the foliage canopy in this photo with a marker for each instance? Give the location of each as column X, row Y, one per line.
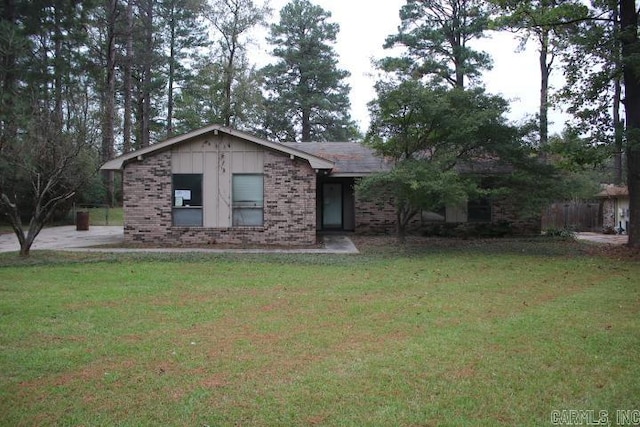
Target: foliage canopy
column 450, row 146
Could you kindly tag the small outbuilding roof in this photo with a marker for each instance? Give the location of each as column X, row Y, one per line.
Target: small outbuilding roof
column 351, row 159
column 613, row 191
column 316, row 162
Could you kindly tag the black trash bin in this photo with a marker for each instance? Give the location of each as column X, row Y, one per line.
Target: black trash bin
column 82, row 221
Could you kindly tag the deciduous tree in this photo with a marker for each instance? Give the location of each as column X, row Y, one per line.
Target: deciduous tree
column 39, row 170
column 450, row 145
column 412, row 186
column 607, row 48
column 233, row 19
column 201, row 101
column 427, row 131
column 46, row 137
column 538, row 20
column 420, row 121
column 593, row 89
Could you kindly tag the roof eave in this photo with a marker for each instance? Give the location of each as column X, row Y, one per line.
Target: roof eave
column 352, row 174
column 314, row 161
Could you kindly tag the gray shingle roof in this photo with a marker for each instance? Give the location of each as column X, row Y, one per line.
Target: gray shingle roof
column 350, row 158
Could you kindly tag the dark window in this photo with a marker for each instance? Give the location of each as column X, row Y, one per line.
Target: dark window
column 187, row 200
column 479, row 210
column 248, row 200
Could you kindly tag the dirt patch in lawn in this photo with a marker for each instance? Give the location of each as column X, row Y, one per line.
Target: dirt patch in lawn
column 618, row 253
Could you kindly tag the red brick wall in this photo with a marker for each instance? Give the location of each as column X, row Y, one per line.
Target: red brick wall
column 504, row 211
column 147, row 199
column 380, row 218
column 609, row 214
column 290, row 200
column 289, row 206
column 375, row 217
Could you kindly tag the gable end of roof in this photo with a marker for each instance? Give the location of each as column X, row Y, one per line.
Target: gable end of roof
column 119, row 162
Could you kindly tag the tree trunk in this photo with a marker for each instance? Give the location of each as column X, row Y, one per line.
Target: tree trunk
column 618, row 125
column 27, row 239
column 145, row 129
column 631, row 73
column 458, row 45
column 229, row 75
column 58, row 61
column 306, row 125
column 545, row 71
column 108, row 119
column 127, row 82
column 42, row 211
column 401, row 226
column 618, row 133
column 172, row 70
column 404, row 214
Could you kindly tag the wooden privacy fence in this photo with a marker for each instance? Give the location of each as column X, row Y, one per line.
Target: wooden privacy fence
column 573, row 215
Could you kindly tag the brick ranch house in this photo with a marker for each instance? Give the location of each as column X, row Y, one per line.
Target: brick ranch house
column 220, row 185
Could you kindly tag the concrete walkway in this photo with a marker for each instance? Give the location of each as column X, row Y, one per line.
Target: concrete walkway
column 66, row 238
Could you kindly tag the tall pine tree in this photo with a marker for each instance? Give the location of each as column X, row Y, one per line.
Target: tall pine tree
column 436, row 35
column 307, row 97
column 183, row 34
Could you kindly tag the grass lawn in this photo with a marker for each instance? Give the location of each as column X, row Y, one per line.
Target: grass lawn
column 463, row 333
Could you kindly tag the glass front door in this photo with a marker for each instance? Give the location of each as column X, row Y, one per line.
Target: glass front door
column 331, row 205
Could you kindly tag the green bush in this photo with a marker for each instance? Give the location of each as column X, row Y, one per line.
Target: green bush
column 562, row 233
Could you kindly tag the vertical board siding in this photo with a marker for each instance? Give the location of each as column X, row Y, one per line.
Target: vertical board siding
column 290, row 195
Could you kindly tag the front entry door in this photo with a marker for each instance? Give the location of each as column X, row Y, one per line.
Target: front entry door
column 332, row 205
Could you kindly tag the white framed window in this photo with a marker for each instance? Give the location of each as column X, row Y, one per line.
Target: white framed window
column 247, row 200
column 187, row 199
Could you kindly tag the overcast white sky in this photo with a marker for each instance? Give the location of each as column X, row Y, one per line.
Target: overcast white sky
column 364, row 26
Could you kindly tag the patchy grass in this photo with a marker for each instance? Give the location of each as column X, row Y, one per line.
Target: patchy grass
column 435, row 332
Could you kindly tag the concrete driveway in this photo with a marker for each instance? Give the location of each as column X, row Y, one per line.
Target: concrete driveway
column 609, row 239
column 66, row 237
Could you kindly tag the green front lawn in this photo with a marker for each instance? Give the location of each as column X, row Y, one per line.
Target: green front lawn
column 488, row 333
